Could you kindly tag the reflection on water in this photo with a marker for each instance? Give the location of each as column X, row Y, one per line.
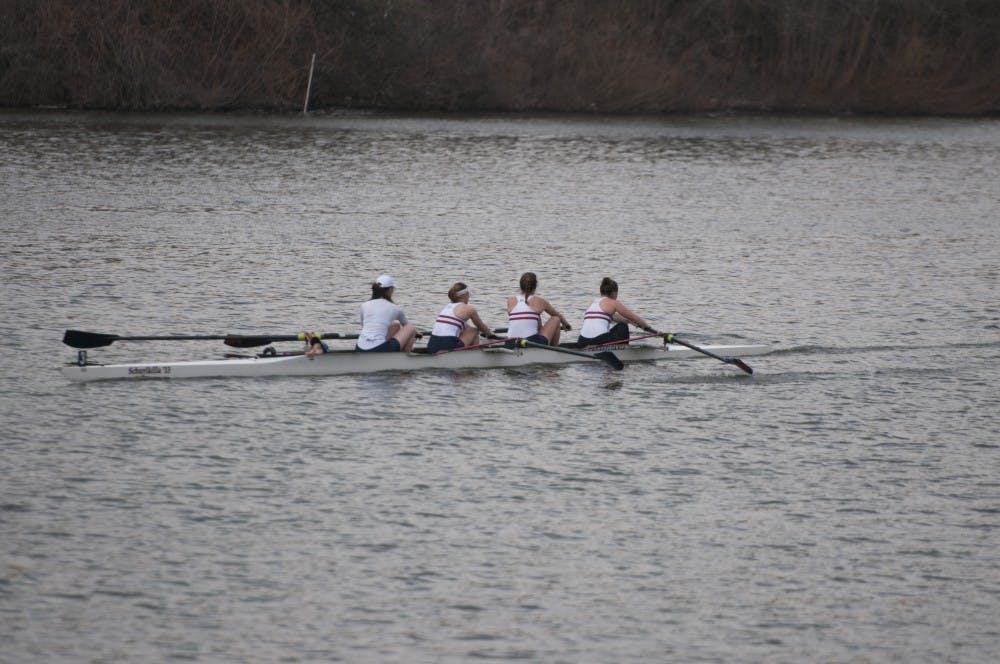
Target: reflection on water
column 841, row 500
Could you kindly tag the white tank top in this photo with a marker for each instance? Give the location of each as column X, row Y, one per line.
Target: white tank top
column 447, row 324
column 595, row 321
column 523, row 321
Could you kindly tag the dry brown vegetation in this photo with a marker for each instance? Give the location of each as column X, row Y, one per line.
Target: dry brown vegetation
column 138, row 54
column 889, row 56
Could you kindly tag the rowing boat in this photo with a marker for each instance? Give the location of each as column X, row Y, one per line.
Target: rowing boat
column 341, row 362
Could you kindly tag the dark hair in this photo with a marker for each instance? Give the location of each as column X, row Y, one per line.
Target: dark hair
column 379, row 292
column 608, row 286
column 529, row 282
column 453, row 291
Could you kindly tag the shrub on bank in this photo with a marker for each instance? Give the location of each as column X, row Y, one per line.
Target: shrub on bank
column 890, row 56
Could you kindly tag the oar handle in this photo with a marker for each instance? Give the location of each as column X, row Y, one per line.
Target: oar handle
column 494, row 342
column 619, row 342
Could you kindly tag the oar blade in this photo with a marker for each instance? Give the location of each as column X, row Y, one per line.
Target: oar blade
column 741, row 364
column 79, row 339
column 248, row 341
column 610, row 359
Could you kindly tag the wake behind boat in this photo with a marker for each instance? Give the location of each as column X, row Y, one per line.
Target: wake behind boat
column 342, row 362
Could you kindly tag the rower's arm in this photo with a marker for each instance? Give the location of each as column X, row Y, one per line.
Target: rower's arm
column 483, row 328
column 550, row 310
column 627, row 315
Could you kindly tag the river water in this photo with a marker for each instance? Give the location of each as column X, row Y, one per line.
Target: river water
column 841, row 504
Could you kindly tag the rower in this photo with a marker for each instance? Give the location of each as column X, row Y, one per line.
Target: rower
column 451, row 327
column 597, row 328
column 524, row 315
column 384, row 327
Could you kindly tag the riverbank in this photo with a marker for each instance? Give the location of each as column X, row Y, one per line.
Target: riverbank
column 882, row 56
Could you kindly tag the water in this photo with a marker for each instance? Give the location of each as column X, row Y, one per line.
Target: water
column 842, row 504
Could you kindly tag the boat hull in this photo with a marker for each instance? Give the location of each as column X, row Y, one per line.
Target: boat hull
column 349, row 362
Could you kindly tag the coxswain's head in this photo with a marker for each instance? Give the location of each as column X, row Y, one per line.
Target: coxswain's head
column 383, row 287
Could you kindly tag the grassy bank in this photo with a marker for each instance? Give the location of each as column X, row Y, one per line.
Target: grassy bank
column 882, row 56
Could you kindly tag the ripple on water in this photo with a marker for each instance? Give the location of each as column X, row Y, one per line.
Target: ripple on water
column 839, row 501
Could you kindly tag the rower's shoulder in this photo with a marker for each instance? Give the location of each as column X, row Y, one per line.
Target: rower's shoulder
column 613, row 303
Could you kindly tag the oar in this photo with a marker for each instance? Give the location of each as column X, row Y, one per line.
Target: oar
column 485, row 344
column 619, row 342
column 249, row 341
column 605, row 356
column 78, row 339
column 670, row 338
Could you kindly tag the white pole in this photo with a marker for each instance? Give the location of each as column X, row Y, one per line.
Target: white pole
column 305, row 106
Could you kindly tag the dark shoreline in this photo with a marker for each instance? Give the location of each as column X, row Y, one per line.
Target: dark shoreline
column 363, row 112
column 634, row 57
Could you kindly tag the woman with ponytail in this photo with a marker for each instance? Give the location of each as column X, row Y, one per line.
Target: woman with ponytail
column 384, row 327
column 604, row 311
column 524, row 315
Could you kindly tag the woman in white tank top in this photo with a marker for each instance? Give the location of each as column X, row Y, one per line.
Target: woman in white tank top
column 524, row 315
column 451, row 327
column 597, row 326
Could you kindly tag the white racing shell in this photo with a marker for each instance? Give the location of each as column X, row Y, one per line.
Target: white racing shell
column 349, row 362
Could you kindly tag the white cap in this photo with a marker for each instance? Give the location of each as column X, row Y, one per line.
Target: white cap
column 385, row 281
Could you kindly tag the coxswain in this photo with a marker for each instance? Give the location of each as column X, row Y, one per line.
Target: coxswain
column 384, row 327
